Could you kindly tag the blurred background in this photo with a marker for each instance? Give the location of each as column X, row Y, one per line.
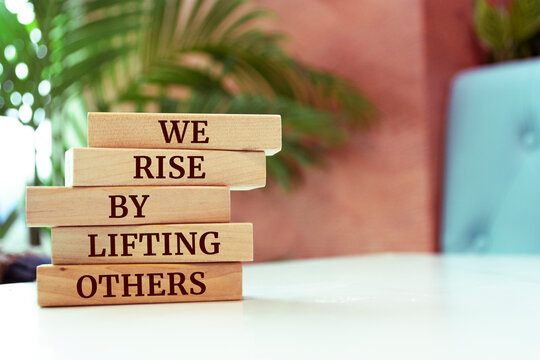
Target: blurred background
column 364, row 88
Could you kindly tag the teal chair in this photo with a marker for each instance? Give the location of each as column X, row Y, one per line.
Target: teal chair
column 492, row 169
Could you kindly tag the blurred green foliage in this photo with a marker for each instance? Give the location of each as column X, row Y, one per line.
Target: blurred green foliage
column 508, row 32
column 174, row 56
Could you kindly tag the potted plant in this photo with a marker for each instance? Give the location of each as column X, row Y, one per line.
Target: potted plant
column 64, row 58
column 508, row 32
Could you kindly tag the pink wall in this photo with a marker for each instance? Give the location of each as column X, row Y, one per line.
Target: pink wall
column 450, row 46
column 377, row 193
column 382, row 191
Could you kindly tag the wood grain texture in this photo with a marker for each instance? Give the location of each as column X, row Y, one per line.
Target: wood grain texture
column 179, row 243
column 68, row 206
column 212, row 131
column 137, row 283
column 241, row 170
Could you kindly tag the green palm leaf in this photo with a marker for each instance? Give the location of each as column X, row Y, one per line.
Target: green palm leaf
column 189, row 56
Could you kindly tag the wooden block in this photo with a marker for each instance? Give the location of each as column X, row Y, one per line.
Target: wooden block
column 61, row 285
column 152, row 244
column 185, row 131
column 65, row 206
column 241, row 170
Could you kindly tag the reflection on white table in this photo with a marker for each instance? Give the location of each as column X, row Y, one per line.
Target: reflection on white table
column 365, row 307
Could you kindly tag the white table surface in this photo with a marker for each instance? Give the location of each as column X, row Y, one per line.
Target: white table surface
column 365, row 307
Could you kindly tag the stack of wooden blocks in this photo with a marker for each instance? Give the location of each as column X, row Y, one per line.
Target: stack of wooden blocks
column 145, row 214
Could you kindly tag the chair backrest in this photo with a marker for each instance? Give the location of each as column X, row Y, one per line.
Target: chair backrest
column 492, row 170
